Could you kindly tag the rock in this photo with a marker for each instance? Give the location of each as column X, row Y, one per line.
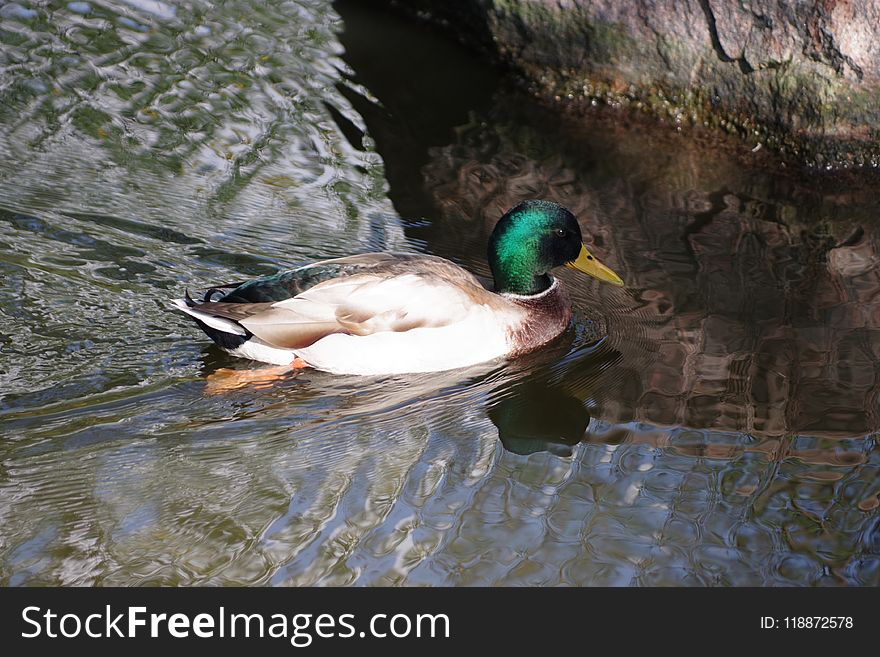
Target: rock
column 800, row 78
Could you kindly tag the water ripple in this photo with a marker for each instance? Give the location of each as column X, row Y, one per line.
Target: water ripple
column 713, row 423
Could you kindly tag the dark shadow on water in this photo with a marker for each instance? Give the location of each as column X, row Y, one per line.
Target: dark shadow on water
column 425, row 89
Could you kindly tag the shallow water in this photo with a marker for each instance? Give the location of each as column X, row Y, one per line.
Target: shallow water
column 713, row 423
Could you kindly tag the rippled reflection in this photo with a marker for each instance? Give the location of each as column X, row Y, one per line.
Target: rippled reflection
column 711, row 424
column 536, row 418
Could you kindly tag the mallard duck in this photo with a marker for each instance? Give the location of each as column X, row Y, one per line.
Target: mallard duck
column 393, row 313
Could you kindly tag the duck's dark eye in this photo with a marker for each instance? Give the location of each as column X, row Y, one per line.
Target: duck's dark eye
column 560, row 232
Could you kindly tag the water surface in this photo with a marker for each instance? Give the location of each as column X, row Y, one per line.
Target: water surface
column 711, row 424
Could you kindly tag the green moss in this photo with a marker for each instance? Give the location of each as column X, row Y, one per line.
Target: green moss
column 811, row 143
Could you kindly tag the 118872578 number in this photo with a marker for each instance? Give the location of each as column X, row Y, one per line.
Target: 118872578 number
column 817, row 622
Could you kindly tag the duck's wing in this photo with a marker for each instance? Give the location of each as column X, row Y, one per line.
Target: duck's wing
column 383, row 296
column 288, row 284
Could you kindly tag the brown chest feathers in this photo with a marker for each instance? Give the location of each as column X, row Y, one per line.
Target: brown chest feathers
column 546, row 316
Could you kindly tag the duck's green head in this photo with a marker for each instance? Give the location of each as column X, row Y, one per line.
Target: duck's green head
column 532, row 238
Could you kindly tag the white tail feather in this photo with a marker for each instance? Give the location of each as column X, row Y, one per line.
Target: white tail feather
column 225, row 325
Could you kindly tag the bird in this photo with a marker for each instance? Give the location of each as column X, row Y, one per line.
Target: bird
column 398, row 313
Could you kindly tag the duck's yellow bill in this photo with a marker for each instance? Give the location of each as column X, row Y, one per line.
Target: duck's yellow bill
column 587, row 263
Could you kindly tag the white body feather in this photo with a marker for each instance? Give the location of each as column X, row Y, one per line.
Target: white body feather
column 475, row 339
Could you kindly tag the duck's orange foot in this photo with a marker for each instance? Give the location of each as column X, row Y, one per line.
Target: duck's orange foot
column 299, row 364
column 226, row 379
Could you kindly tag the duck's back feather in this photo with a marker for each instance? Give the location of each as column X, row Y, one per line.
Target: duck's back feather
column 288, row 284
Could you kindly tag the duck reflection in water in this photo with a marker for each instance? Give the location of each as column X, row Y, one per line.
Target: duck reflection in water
column 533, row 417
column 546, row 410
